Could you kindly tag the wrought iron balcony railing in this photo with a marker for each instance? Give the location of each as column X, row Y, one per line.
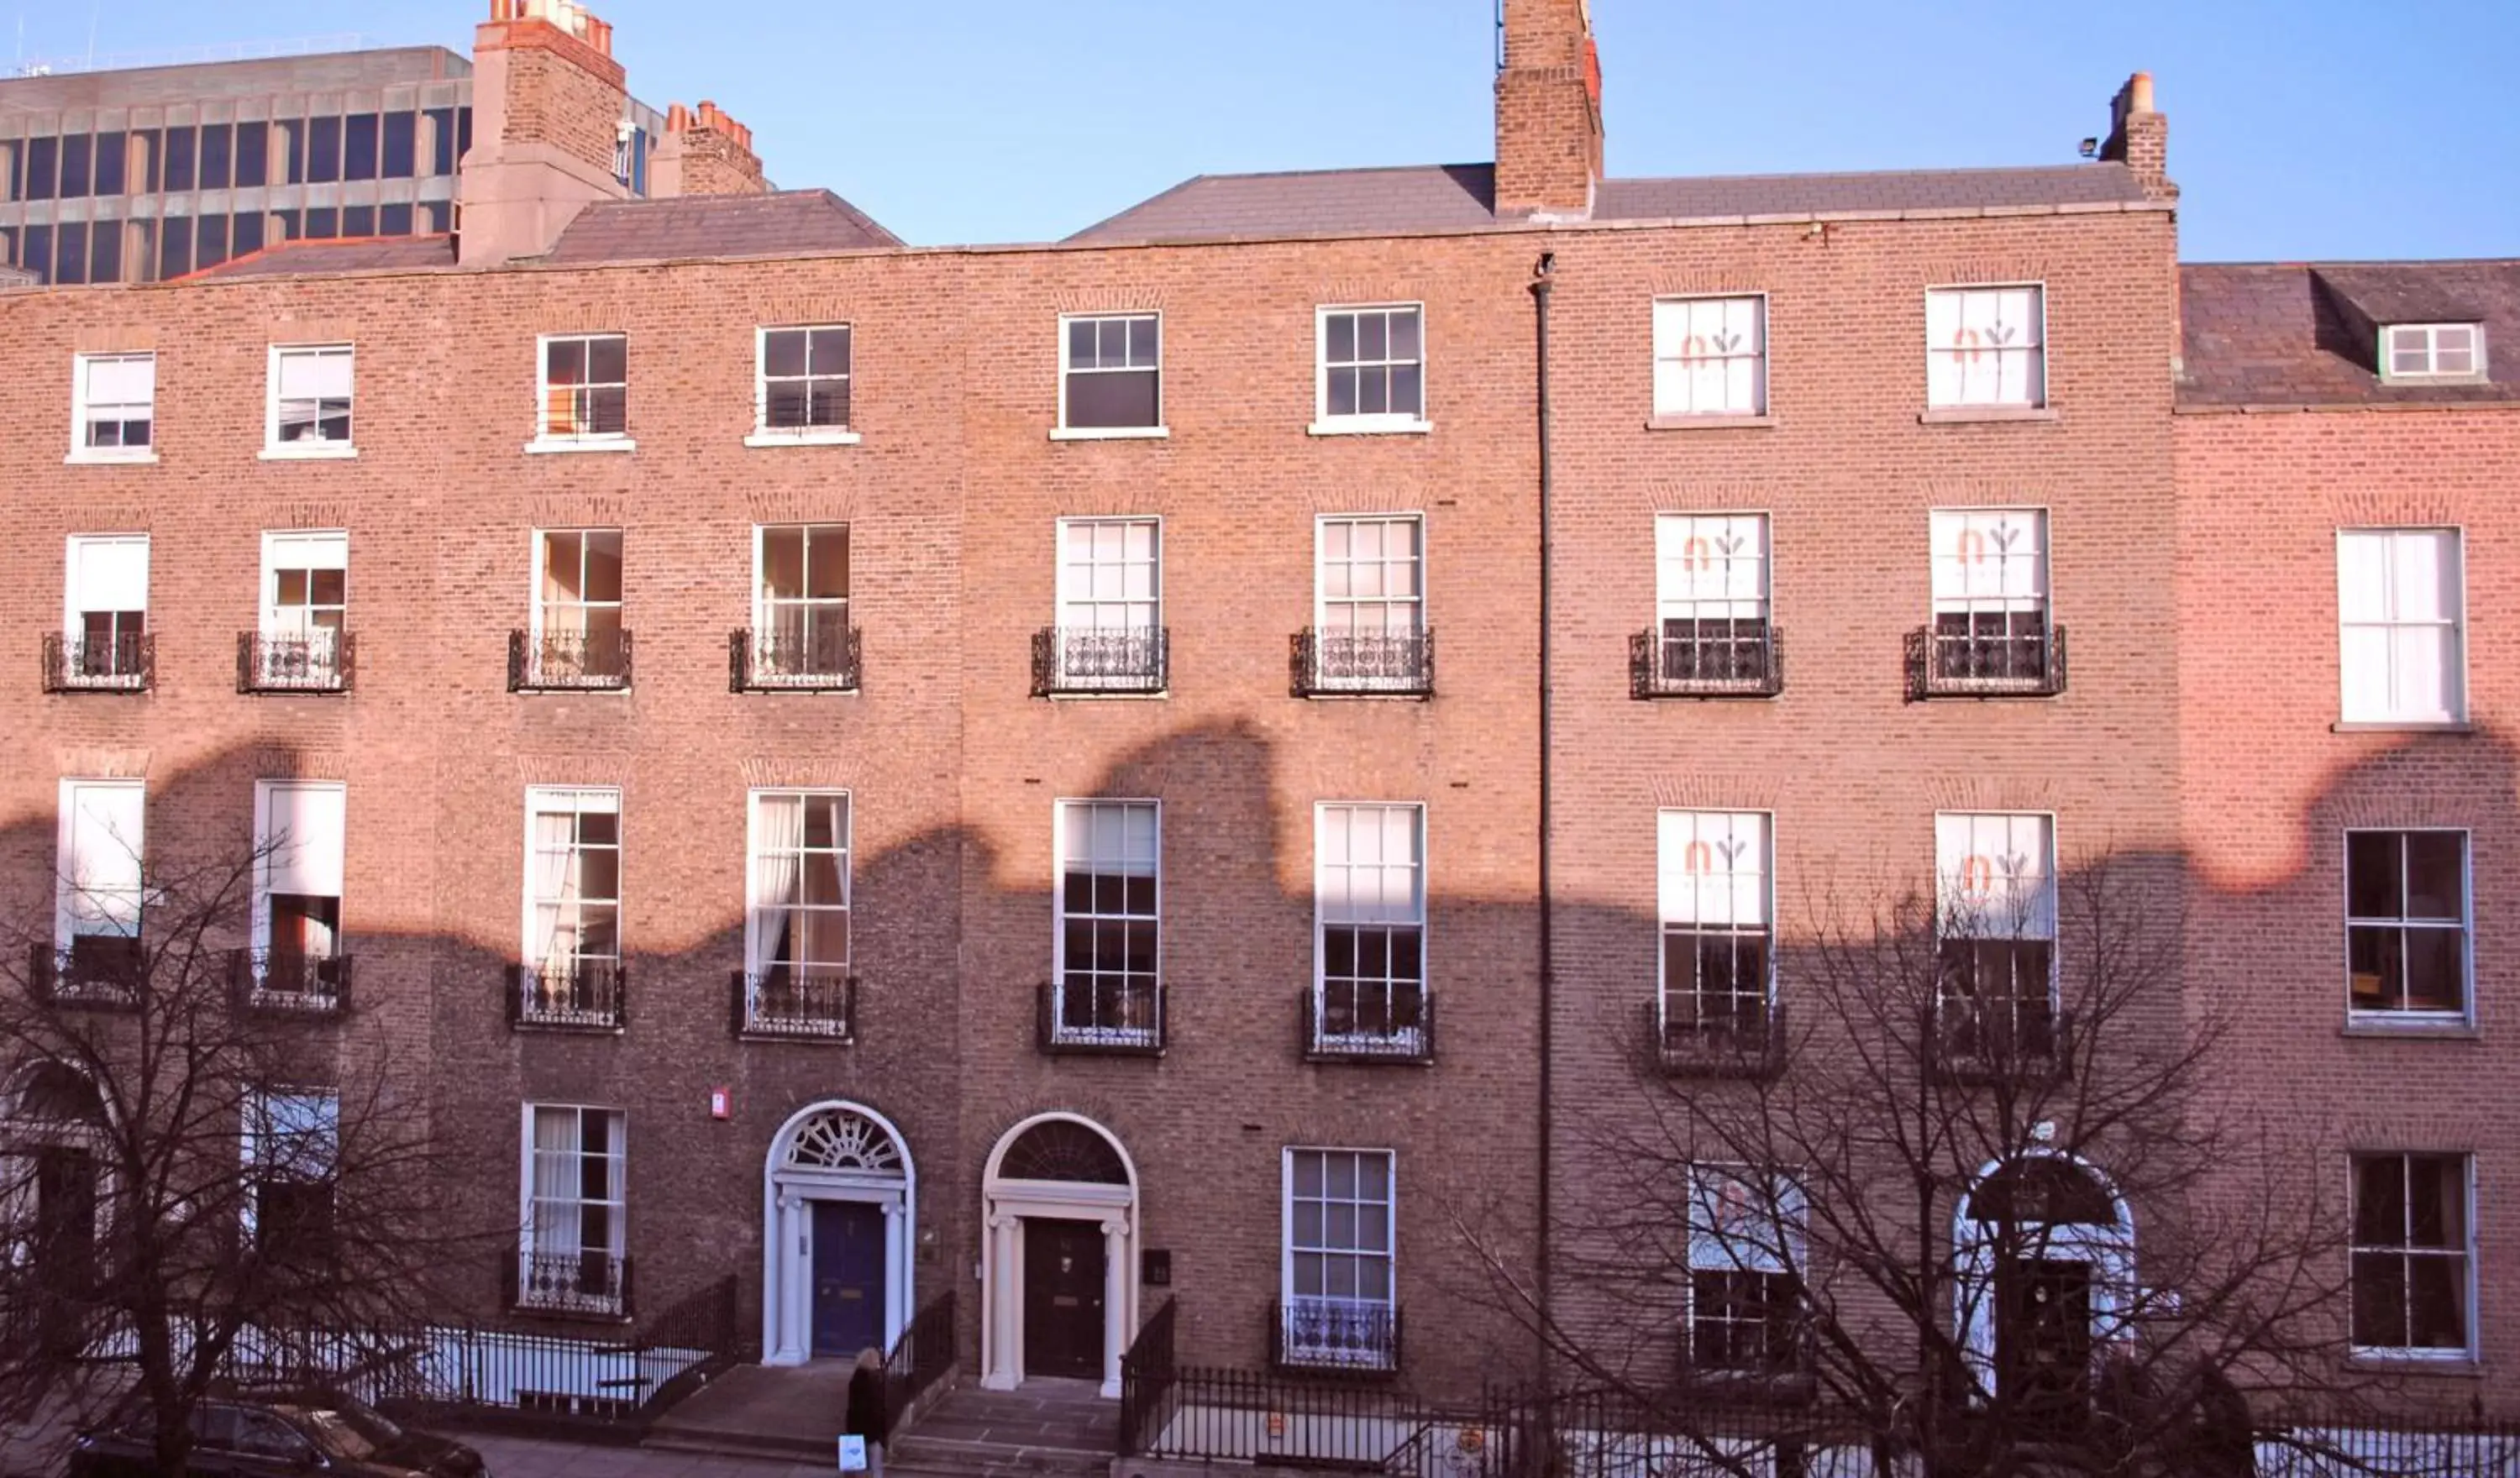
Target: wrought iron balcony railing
column 1717, row 1037
column 824, row 660
column 1085, row 662
column 126, row 664
column 1081, row 1017
column 2024, row 663
column 1328, row 663
column 1338, row 1336
column 568, row 661
column 288, row 983
column 1346, row 1021
column 794, row 1007
column 584, row 1282
column 586, row 997
column 98, row 971
column 323, row 662
column 1707, row 659
column 1973, row 1039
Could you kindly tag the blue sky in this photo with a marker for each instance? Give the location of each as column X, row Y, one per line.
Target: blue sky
column 2298, row 128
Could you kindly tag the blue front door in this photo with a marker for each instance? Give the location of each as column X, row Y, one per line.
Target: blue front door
column 848, row 1278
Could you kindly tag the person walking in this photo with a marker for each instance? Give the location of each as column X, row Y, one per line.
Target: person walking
column 870, row 1416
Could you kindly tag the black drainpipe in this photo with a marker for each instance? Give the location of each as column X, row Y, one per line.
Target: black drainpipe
column 1541, row 273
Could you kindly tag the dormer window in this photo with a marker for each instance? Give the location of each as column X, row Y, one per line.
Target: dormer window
column 2432, row 351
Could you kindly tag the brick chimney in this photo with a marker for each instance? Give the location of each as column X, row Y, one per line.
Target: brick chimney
column 704, row 151
column 547, row 104
column 2140, row 138
column 1548, row 110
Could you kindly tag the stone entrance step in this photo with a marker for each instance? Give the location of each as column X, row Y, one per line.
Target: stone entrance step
column 790, row 1414
column 1047, row 1429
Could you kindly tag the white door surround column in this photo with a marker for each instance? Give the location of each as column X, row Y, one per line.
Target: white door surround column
column 1005, row 1200
column 832, row 1151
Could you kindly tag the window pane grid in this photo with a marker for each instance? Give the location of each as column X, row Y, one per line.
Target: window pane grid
column 2405, row 923
column 2417, row 351
column 800, row 869
column 1340, row 1255
column 2399, row 604
column 1111, row 372
column 1109, row 925
column 1710, row 356
column 1745, row 1244
column 1990, row 581
column 1371, row 363
column 1369, row 898
column 801, row 614
column 586, row 386
column 574, row 1221
column 1983, row 347
column 117, row 399
column 2409, row 1253
column 311, row 389
column 1372, row 577
column 1715, row 917
column 805, row 378
column 574, row 882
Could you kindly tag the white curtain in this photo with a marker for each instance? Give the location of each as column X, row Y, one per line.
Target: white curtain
column 551, row 1222
column 555, row 891
column 778, row 846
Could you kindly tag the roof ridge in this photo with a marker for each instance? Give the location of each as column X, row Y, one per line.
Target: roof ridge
column 1861, row 174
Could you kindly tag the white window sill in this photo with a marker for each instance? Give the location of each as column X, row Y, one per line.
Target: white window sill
column 1109, row 434
column 803, row 439
column 1707, row 423
column 2420, row 1025
column 544, row 446
column 315, row 451
column 2402, row 726
column 1970, row 414
column 1369, row 425
column 91, row 457
column 2418, row 1361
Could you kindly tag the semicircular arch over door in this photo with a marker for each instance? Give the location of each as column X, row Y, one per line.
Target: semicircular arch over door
column 1059, row 1290
column 839, row 1225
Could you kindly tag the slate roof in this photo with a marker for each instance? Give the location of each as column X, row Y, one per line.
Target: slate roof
column 2285, row 334
column 1457, row 196
column 382, row 253
column 787, row 222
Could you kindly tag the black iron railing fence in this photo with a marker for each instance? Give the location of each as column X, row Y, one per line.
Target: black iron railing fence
column 795, row 1008
column 289, row 983
column 1324, row 663
column 1719, row 1037
column 76, row 663
column 1983, row 1039
column 819, row 659
column 587, row 1281
column 566, row 661
column 1121, row 1019
column 1074, row 660
column 923, row 1356
column 2024, row 662
column 584, row 997
column 1148, row 1376
column 1707, row 659
column 1348, row 1022
column 322, row 661
column 1334, row 1336
column 98, row 970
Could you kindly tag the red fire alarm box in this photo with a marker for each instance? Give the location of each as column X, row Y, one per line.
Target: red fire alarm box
column 721, row 1102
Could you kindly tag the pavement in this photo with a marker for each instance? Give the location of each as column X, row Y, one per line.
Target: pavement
column 527, row 1457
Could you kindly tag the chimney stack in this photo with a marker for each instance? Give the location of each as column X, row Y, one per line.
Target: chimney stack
column 2140, row 138
column 706, row 151
column 1548, row 110
column 547, row 102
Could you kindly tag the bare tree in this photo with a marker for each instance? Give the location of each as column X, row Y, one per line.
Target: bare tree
column 209, row 1167
column 1977, row 1189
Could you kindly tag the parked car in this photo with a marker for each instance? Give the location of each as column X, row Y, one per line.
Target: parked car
column 269, row 1436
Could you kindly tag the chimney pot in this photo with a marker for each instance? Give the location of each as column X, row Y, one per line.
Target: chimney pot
column 2139, row 92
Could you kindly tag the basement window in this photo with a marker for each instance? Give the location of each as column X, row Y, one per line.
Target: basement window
column 2432, row 353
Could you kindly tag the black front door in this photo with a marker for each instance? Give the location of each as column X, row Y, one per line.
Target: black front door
column 2043, row 1337
column 1062, row 1298
column 848, row 1278
column 65, row 1244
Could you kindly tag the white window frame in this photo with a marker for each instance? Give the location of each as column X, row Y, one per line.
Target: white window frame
column 1783, row 1213
column 1671, row 873
column 1964, row 405
column 2430, row 334
column 274, row 449
column 1287, row 1248
column 1663, row 354
column 1062, row 431
column 1412, row 1038
column 757, row 905
column 268, row 858
column 1955, row 597
column 1388, row 422
column 1322, row 601
column 1084, row 658
column 764, row 604
column 538, row 629
column 618, row 1204
column 764, row 434
column 2466, row 1256
column 75, row 604
column 80, row 406
column 257, row 1121
column 575, row 800
column 74, row 900
column 1062, row 811
column 543, row 441
column 318, row 666
column 2454, row 675
column 2038, row 921
column 2403, row 1016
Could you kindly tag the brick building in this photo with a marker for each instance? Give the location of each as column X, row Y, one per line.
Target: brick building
column 887, row 770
